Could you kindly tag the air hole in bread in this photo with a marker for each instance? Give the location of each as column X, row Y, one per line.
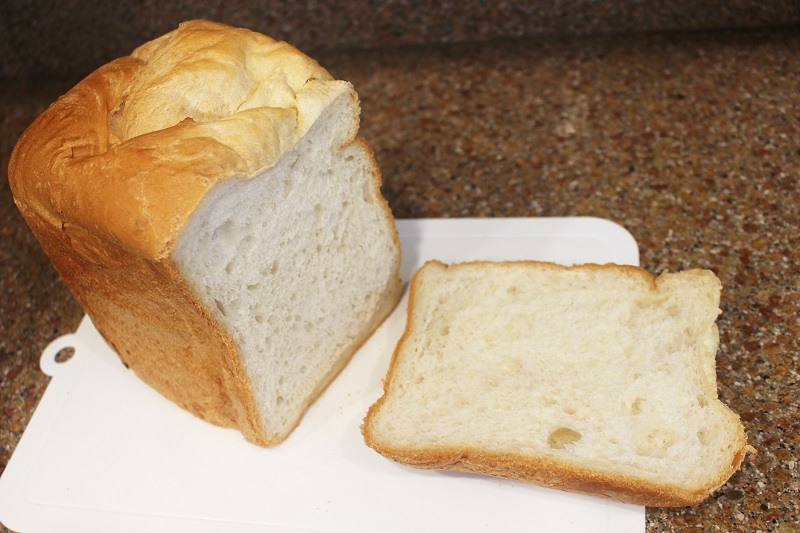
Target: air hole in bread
column 512, row 290
column 561, row 437
column 510, row 365
column 287, row 187
column 636, row 406
column 224, row 232
column 444, row 331
column 653, row 441
column 705, row 436
column 702, row 401
column 650, row 301
column 114, row 118
column 253, row 286
column 366, row 193
column 220, row 306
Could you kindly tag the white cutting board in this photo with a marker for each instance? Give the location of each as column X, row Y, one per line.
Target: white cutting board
column 104, row 452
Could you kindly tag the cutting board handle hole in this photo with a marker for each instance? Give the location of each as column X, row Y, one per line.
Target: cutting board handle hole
column 59, row 353
column 64, row 354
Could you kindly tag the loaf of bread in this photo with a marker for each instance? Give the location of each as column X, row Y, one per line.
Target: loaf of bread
column 593, row 379
column 210, row 205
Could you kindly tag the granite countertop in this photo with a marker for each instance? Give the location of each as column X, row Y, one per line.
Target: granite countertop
column 689, row 140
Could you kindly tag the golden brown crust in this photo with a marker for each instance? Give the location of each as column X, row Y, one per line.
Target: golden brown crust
column 151, row 319
column 109, row 240
column 555, row 474
column 137, row 194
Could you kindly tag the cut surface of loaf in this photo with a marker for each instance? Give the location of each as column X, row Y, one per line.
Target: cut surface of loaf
column 299, row 263
column 210, row 205
column 594, row 379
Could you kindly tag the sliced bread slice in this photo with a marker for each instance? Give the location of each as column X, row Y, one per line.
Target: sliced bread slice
column 593, row 379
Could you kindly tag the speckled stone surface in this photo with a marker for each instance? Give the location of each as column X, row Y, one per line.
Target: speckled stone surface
column 689, row 140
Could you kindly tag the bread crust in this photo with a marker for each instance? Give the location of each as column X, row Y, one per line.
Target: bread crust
column 108, row 211
column 554, row 474
column 543, row 471
column 106, row 217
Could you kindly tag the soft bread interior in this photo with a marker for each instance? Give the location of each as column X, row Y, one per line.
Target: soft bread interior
column 590, row 368
column 295, row 262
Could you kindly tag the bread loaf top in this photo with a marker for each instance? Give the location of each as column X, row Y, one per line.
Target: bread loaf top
column 131, row 150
